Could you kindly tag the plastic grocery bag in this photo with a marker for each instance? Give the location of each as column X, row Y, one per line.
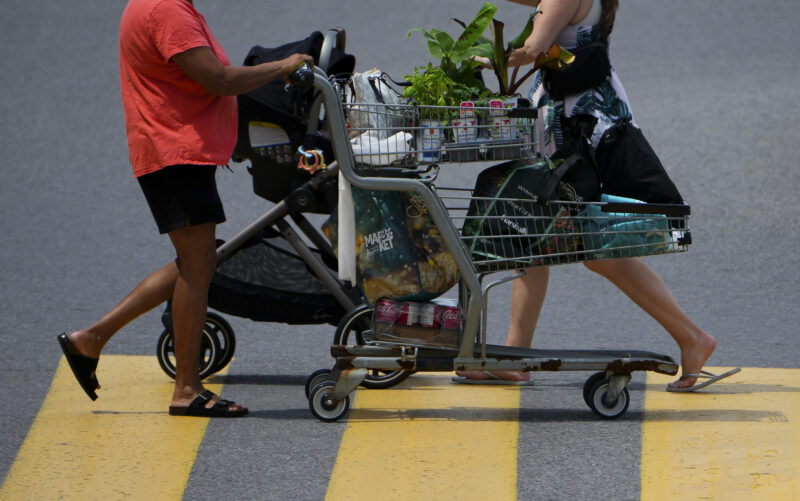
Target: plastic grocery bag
column 369, row 148
column 374, row 104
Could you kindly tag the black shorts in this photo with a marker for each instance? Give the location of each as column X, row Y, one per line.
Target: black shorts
column 182, row 195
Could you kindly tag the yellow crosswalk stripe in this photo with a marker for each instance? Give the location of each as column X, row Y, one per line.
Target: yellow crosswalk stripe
column 736, row 439
column 424, row 439
column 123, row 446
column 428, row 438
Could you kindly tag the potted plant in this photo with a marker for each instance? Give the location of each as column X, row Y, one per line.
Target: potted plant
column 454, row 80
column 456, row 56
column 439, row 96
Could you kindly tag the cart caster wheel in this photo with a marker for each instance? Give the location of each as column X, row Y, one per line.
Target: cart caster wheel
column 358, row 324
column 587, row 386
column 324, row 409
column 599, row 404
column 226, row 340
column 317, row 377
column 209, row 351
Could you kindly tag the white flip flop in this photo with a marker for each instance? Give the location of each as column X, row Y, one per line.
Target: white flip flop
column 710, row 378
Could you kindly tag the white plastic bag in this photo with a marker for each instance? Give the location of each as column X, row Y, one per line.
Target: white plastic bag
column 369, row 148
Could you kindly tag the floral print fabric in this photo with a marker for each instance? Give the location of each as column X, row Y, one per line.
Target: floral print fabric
column 607, row 101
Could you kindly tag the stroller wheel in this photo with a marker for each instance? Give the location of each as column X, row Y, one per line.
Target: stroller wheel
column 358, row 324
column 209, row 351
column 226, row 340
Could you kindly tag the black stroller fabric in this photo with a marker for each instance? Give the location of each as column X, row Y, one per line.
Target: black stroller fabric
column 266, row 281
column 274, row 178
column 273, row 95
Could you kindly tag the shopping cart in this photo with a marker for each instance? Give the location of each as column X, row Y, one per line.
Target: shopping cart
column 485, row 235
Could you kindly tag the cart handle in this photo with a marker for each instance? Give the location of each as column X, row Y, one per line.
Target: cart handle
column 674, row 210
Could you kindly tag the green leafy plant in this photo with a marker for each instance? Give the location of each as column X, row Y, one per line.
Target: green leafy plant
column 455, row 56
column 498, row 54
column 431, row 86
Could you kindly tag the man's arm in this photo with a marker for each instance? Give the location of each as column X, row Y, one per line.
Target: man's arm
column 202, row 65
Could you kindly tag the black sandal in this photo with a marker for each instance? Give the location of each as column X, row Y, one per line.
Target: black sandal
column 198, row 407
column 82, row 366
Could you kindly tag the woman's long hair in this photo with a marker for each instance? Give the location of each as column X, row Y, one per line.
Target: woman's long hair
column 608, row 15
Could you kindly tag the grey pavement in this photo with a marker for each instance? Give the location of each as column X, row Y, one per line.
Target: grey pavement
column 714, row 88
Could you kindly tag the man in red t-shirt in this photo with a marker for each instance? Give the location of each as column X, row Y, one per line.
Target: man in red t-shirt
column 177, row 93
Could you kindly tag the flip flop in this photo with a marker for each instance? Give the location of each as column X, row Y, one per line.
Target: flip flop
column 198, row 407
column 493, row 379
column 709, row 377
column 82, row 367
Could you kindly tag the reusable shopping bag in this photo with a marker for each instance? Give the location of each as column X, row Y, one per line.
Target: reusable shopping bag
column 613, row 235
column 508, row 218
column 630, row 168
column 398, row 249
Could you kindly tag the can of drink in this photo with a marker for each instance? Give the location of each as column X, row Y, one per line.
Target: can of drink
column 409, row 314
column 427, row 315
column 388, row 311
column 451, row 317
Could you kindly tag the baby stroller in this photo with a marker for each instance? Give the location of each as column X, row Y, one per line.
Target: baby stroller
column 268, row 272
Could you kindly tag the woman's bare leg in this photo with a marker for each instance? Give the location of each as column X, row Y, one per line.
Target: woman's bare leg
column 527, row 298
column 643, row 285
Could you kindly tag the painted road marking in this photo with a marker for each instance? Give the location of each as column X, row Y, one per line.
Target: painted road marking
column 428, row 438
column 124, row 445
column 736, row 439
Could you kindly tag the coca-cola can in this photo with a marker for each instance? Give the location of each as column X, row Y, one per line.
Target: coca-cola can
column 388, row 311
column 427, row 315
column 451, row 317
column 409, row 313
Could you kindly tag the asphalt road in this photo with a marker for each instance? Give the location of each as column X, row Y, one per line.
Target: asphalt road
column 713, row 86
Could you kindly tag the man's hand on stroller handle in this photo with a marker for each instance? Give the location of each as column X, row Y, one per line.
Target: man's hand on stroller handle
column 294, row 63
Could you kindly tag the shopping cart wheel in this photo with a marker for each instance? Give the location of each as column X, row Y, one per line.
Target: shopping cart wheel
column 587, row 386
column 226, row 340
column 323, row 408
column 600, row 405
column 356, row 328
column 317, row 377
column 209, row 350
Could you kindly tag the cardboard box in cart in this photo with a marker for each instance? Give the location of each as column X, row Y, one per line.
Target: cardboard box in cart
column 431, row 324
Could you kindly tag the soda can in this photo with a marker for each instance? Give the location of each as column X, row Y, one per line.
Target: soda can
column 451, row 318
column 388, row 311
column 409, row 314
column 427, row 315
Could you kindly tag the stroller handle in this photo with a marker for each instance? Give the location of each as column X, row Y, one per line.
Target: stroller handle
column 302, row 76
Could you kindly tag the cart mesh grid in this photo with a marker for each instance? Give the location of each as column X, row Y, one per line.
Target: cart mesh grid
column 407, row 135
column 499, row 233
column 506, row 234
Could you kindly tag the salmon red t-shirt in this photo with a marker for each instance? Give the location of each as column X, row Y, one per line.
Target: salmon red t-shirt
column 169, row 118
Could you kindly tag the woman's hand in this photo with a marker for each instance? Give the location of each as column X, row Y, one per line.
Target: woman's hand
column 485, row 62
